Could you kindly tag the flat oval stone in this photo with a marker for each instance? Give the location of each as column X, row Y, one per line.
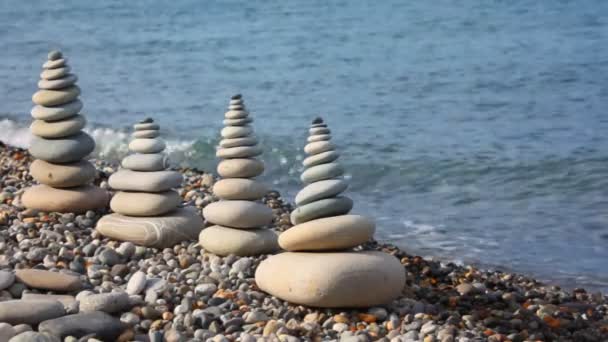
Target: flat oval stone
column 147, row 145
column 100, row 324
column 69, row 200
column 236, row 142
column 318, row 147
column 332, row 280
column 236, row 132
column 330, row 233
column 62, row 150
column 145, row 162
column 58, row 112
column 237, row 122
column 238, row 214
column 239, row 189
column 321, row 158
column 111, row 302
column 224, row 241
column 236, row 114
column 148, row 181
column 146, row 126
column 29, row 312
column 238, row 152
column 321, row 208
column 144, row 204
column 53, row 74
column 66, row 300
column 55, row 97
column 149, row 133
column 58, row 129
column 240, row 168
column 48, row 280
column 181, row 224
column 60, row 83
column 319, row 131
column 54, row 64
column 320, row 190
column 63, row 175
column 319, row 137
column 320, row 172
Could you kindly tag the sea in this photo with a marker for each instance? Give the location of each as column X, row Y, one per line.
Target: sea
column 474, row 132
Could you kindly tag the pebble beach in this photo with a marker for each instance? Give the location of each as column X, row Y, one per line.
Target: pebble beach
column 104, row 290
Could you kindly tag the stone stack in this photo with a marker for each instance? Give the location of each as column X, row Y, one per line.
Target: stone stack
column 59, row 145
column 146, row 206
column 239, row 218
column 329, row 273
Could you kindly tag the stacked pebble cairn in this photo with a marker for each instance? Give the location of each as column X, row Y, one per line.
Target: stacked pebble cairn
column 239, row 218
column 59, row 145
column 145, row 207
column 329, row 273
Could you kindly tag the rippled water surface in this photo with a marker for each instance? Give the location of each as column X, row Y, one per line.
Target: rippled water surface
column 474, row 131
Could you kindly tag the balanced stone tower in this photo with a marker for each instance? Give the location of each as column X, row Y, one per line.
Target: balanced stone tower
column 146, row 206
column 239, row 219
column 59, row 145
column 320, row 268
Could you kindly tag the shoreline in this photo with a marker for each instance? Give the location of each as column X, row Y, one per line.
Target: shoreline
column 202, row 296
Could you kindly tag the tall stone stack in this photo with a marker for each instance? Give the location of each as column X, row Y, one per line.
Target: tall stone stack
column 328, row 272
column 59, row 145
column 239, row 218
column 146, row 206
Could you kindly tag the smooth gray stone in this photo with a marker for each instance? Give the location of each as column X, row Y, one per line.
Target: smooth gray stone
column 238, row 152
column 236, row 142
column 6, row 331
column 240, row 168
column 106, row 327
column 30, row 311
column 236, row 114
column 144, row 145
column 145, row 181
column 231, row 132
column 136, row 283
column 145, row 162
column 321, row 158
column 317, row 147
column 319, row 131
column 53, row 74
column 107, row 302
column 224, row 241
column 66, row 300
column 320, row 137
column 146, row 126
column 320, row 190
column 60, row 83
column 62, row 150
column 7, row 279
column 149, row 133
column 322, row 172
column 237, row 122
column 238, row 214
column 58, row 129
column 57, row 112
column 32, row 336
column 322, row 208
column 144, row 204
column 181, row 224
column 54, row 55
column 54, row 64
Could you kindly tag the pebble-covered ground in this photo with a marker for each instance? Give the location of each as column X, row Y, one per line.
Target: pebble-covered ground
column 184, row 294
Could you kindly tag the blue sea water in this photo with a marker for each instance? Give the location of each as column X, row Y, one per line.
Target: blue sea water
column 474, row 131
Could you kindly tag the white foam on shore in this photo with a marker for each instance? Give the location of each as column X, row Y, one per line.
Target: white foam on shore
column 110, row 144
column 13, row 134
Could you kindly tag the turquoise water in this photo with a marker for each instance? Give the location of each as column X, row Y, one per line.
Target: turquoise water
column 473, row 131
